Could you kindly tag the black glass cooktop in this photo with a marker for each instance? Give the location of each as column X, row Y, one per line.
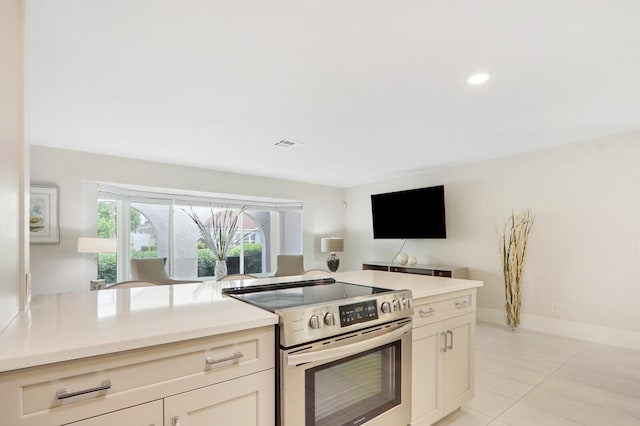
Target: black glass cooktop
column 273, row 297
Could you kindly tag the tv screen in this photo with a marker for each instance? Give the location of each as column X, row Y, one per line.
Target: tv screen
column 415, row 213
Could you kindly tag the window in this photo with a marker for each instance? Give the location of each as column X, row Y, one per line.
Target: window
column 148, row 229
column 107, row 228
column 155, row 224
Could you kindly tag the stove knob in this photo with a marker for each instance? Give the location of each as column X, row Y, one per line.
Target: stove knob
column 395, row 305
column 386, row 307
column 329, row 318
column 314, row 322
column 405, row 303
column 409, row 304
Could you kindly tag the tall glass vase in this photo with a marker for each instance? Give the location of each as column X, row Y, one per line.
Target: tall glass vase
column 220, row 269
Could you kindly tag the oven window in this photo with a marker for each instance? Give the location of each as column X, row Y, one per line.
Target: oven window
column 354, row 389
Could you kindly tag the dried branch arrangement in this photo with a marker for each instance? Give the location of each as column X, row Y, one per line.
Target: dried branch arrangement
column 220, row 234
column 513, row 251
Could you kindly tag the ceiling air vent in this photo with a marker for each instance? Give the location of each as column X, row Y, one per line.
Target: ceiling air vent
column 287, row 144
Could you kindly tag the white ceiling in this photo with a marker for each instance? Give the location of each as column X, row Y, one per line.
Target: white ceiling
column 371, row 88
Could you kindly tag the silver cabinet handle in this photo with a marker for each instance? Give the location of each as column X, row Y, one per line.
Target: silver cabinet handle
column 444, row 348
column 429, row 311
column 450, row 333
column 462, row 304
column 63, row 394
column 175, row 421
column 236, row 355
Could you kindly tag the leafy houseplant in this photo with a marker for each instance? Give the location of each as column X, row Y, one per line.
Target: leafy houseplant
column 513, row 251
column 220, row 234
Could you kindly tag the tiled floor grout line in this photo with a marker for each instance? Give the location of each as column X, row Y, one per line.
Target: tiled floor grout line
column 532, row 389
column 612, row 391
column 535, row 387
column 569, row 356
column 501, row 413
column 487, row 344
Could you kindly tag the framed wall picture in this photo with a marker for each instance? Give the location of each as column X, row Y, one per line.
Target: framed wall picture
column 44, row 227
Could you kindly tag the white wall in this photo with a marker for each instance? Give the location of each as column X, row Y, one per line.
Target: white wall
column 59, row 268
column 12, row 154
column 584, row 249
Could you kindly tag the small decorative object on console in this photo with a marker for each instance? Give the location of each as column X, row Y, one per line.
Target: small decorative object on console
column 402, row 258
column 412, row 260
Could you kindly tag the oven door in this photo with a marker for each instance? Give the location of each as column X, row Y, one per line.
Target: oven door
column 358, row 378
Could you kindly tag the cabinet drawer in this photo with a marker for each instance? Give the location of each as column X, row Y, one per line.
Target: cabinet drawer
column 437, row 308
column 149, row 414
column 92, row 386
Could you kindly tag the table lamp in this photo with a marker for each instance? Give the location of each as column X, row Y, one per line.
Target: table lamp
column 96, row 246
column 332, row 245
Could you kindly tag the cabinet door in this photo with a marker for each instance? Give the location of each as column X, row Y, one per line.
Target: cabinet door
column 248, row 400
column 459, row 361
column 427, row 374
column 149, row 414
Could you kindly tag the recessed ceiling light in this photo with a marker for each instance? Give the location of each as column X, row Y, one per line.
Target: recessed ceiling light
column 287, row 144
column 478, row 78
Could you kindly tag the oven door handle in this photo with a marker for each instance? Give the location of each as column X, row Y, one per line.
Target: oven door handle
column 346, row 350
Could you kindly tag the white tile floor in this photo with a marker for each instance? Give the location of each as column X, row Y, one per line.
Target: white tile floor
column 525, row 379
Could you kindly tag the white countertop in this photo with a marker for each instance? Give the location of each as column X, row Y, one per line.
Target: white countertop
column 61, row 327
column 66, row 326
column 420, row 285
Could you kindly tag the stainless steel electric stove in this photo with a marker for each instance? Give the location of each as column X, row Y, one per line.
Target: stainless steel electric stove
column 316, row 309
column 344, row 352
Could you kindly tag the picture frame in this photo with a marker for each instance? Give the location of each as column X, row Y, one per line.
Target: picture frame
column 44, row 226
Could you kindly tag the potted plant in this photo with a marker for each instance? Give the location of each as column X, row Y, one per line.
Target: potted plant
column 220, row 234
column 513, row 251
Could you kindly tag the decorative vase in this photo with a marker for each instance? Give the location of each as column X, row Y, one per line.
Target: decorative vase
column 220, row 269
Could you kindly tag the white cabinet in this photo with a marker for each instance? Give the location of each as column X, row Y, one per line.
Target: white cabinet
column 244, row 401
column 247, row 400
column 128, row 386
column 459, row 361
column 426, row 376
column 443, row 366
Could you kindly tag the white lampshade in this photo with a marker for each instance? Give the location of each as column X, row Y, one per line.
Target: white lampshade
column 331, row 244
column 96, row 245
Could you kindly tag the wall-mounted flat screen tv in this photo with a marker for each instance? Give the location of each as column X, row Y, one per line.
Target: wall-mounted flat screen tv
column 414, row 213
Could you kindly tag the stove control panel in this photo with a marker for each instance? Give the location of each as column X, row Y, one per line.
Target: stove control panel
column 314, row 322
column 356, row 313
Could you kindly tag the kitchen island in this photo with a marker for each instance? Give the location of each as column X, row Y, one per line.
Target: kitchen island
column 161, row 353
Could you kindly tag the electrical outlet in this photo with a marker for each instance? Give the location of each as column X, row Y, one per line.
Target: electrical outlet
column 555, row 307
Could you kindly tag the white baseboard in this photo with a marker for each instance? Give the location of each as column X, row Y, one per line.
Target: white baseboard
column 576, row 330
